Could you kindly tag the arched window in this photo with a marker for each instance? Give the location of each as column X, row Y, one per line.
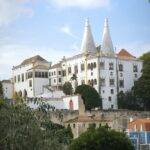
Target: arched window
column 92, row 66
column 71, row 105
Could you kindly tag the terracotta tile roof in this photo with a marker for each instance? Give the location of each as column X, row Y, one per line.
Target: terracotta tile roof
column 125, row 54
column 144, row 123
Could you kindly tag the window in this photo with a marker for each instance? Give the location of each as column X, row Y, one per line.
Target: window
column 112, row 82
column 42, row 74
column 112, row 106
column 121, row 74
column 75, row 69
column 111, row 66
column 49, row 73
column 46, row 74
column 94, row 65
column 59, row 79
column 112, row 91
column 135, row 75
column 121, row 83
column 82, row 67
column 102, row 81
column 69, row 70
column 54, row 73
column 64, row 73
column 135, row 68
column 15, row 79
column 30, row 75
column 18, row 78
column 50, row 82
column 89, row 66
column 30, row 83
column 109, row 98
column 91, row 73
column 120, row 67
column 22, row 76
column 95, row 81
column 59, row 72
column 54, row 80
column 74, row 125
column 102, row 65
column 111, row 73
column 36, row 74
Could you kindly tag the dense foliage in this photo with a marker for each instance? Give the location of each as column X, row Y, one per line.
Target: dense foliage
column 139, row 97
column 67, row 88
column 101, row 139
column 21, row 128
column 90, row 96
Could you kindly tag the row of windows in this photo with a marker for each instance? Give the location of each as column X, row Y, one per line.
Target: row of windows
column 22, row 77
column 55, row 81
column 91, row 66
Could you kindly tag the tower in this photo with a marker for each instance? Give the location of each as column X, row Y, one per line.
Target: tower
column 107, row 45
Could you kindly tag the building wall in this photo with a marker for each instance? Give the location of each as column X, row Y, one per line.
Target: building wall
column 7, row 90
column 108, row 92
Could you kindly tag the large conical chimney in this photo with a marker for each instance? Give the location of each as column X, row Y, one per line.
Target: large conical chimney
column 107, row 46
column 88, row 45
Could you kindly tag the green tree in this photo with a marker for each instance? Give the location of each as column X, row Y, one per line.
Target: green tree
column 101, row 139
column 21, row 128
column 1, row 89
column 90, row 96
column 67, row 88
column 142, row 86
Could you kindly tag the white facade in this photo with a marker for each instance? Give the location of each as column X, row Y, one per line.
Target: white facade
column 30, row 77
column 106, row 71
column 7, row 89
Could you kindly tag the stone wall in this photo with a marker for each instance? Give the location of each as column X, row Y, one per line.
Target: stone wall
column 119, row 118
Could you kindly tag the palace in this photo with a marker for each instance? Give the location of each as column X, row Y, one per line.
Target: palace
column 99, row 66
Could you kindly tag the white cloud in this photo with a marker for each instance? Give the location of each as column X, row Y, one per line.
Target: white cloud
column 80, row 3
column 12, row 9
column 67, row 30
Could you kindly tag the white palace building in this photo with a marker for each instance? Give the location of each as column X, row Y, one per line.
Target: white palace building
column 99, row 66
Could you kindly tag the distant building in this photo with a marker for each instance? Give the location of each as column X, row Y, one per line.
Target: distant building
column 30, row 76
column 7, row 89
column 139, row 133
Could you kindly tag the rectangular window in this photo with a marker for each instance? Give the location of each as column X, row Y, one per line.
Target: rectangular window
column 69, row 70
column 120, row 67
column 22, row 76
column 15, row 79
column 54, row 73
column 102, row 65
column 36, row 74
column 102, row 82
column 42, row 74
column 64, row 73
column 30, row 75
column 82, row 67
column 30, row 83
column 59, row 72
column 109, row 98
column 112, row 91
column 135, row 68
column 75, row 69
column 112, row 82
column 111, row 66
column 50, row 82
column 121, row 83
column 59, row 79
column 49, row 73
column 46, row 74
column 18, row 78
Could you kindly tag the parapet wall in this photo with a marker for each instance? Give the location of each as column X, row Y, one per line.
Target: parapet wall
column 119, row 118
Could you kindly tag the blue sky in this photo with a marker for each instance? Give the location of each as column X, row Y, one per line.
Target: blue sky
column 54, row 28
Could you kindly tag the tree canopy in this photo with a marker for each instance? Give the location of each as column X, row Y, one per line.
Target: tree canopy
column 22, row 128
column 67, row 88
column 101, row 139
column 89, row 95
